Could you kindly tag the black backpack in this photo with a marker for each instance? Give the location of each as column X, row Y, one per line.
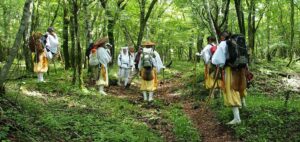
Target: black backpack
column 44, row 39
column 237, row 50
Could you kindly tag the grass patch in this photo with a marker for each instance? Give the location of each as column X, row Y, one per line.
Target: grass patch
column 183, row 127
column 264, row 119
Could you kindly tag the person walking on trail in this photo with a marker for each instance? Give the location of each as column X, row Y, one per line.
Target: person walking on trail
column 39, row 55
column 135, row 69
column 52, row 43
column 150, row 64
column 100, row 56
column 234, row 78
column 125, row 63
column 206, row 54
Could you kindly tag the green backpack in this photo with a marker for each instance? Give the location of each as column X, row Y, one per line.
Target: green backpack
column 147, row 59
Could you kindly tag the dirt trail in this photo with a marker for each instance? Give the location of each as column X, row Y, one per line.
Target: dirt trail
column 208, row 126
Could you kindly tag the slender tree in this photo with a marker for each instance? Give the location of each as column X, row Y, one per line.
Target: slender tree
column 292, row 22
column 66, row 22
column 14, row 49
column 143, row 19
column 240, row 15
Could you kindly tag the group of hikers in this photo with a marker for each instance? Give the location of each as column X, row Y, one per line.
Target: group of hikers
column 146, row 62
column 226, row 69
column 225, row 65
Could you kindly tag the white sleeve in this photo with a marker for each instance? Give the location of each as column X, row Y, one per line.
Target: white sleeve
column 219, row 57
column 159, row 63
column 48, row 41
column 119, row 60
column 205, row 53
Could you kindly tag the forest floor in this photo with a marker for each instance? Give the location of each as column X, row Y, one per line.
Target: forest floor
column 209, row 128
column 59, row 111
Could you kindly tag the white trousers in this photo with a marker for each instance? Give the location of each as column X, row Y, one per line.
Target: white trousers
column 124, row 75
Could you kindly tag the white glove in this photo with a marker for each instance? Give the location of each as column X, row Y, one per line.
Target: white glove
column 198, row 54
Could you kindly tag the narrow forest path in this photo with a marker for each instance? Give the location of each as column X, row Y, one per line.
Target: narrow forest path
column 209, row 129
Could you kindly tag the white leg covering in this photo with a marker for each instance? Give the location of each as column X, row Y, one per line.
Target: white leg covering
column 42, row 77
column 150, row 96
column 236, row 114
column 145, row 95
column 120, row 76
column 126, row 76
column 39, row 77
column 101, row 90
column 244, row 102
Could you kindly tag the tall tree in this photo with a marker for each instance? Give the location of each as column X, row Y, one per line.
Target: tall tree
column 143, row 19
column 292, row 17
column 66, row 21
column 14, row 49
column 78, row 64
column 240, row 15
column 252, row 26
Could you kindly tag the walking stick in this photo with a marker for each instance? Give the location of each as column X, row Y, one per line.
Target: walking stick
column 195, row 74
column 213, row 87
column 164, row 89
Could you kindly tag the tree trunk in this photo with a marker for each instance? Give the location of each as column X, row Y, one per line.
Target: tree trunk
column 55, row 14
column 251, row 28
column 143, row 20
column 26, row 51
column 14, row 49
column 66, row 22
column 269, row 58
column 78, row 47
column 6, row 21
column 191, row 50
column 240, row 16
column 199, row 45
column 292, row 32
column 72, row 34
column 88, row 28
column 111, row 38
column 211, row 22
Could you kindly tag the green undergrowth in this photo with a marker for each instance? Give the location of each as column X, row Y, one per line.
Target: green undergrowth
column 264, row 119
column 59, row 111
column 75, row 118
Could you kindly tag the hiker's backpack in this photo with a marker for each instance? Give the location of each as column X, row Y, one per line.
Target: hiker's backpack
column 213, row 49
column 88, row 50
column 43, row 39
column 35, row 44
column 237, row 50
column 147, row 59
column 93, row 59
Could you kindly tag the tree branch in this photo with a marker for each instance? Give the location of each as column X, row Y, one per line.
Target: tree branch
column 261, row 16
column 150, row 9
column 55, row 15
column 225, row 13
